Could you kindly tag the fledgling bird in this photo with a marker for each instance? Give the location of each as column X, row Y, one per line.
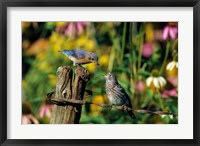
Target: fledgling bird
column 116, row 94
column 80, row 56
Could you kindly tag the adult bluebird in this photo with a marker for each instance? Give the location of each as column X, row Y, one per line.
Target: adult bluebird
column 116, row 94
column 80, row 56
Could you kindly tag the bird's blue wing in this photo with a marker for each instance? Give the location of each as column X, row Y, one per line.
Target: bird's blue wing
column 78, row 54
column 68, row 52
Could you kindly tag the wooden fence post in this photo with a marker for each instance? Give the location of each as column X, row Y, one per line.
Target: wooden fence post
column 69, row 114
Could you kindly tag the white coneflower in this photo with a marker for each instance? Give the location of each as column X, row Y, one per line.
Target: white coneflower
column 157, row 82
column 170, row 116
column 171, row 65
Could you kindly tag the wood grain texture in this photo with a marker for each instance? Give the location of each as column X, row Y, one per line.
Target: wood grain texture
column 69, row 114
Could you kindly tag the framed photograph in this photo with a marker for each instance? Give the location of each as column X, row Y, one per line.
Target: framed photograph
column 99, row 72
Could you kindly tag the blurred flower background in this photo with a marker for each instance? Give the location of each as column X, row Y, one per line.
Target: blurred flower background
column 143, row 56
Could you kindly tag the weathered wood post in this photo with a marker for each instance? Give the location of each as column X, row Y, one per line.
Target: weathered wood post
column 69, row 114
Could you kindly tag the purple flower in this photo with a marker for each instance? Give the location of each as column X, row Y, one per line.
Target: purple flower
column 170, row 32
column 147, row 49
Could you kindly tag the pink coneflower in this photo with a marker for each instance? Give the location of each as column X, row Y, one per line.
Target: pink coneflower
column 170, row 31
column 45, row 110
column 140, row 86
column 168, row 93
column 72, row 28
column 147, row 49
column 173, row 81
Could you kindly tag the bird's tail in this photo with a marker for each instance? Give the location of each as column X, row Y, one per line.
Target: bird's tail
column 131, row 114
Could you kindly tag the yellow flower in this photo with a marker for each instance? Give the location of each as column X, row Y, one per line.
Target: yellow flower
column 60, row 23
column 90, row 45
column 57, row 42
column 156, row 82
column 91, row 67
column 44, row 66
column 86, row 43
column 52, row 79
column 53, row 38
column 94, row 108
column 103, row 60
column 81, row 41
column 149, row 32
column 41, row 56
column 56, row 48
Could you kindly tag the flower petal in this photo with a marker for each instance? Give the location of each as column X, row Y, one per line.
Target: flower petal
column 171, row 92
column 149, row 80
column 165, row 33
column 33, row 119
column 162, row 81
column 175, row 30
column 48, row 113
column 171, row 116
column 177, row 64
column 162, row 116
column 169, row 65
column 25, row 119
column 41, row 111
column 173, row 64
column 156, row 83
column 147, row 49
column 172, row 33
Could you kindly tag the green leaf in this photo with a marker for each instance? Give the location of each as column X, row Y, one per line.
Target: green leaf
column 50, row 25
column 144, row 72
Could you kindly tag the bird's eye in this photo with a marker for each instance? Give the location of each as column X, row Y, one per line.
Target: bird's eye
column 92, row 58
column 110, row 75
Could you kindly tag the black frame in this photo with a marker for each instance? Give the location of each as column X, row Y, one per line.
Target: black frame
column 98, row 3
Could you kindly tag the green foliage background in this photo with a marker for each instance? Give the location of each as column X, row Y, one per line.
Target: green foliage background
column 133, row 51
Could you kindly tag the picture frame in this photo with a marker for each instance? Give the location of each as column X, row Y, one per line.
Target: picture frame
column 4, row 4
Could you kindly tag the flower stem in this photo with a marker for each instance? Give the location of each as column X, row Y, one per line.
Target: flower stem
column 132, row 51
column 165, row 59
column 161, row 102
column 140, row 52
column 123, row 41
column 111, row 60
